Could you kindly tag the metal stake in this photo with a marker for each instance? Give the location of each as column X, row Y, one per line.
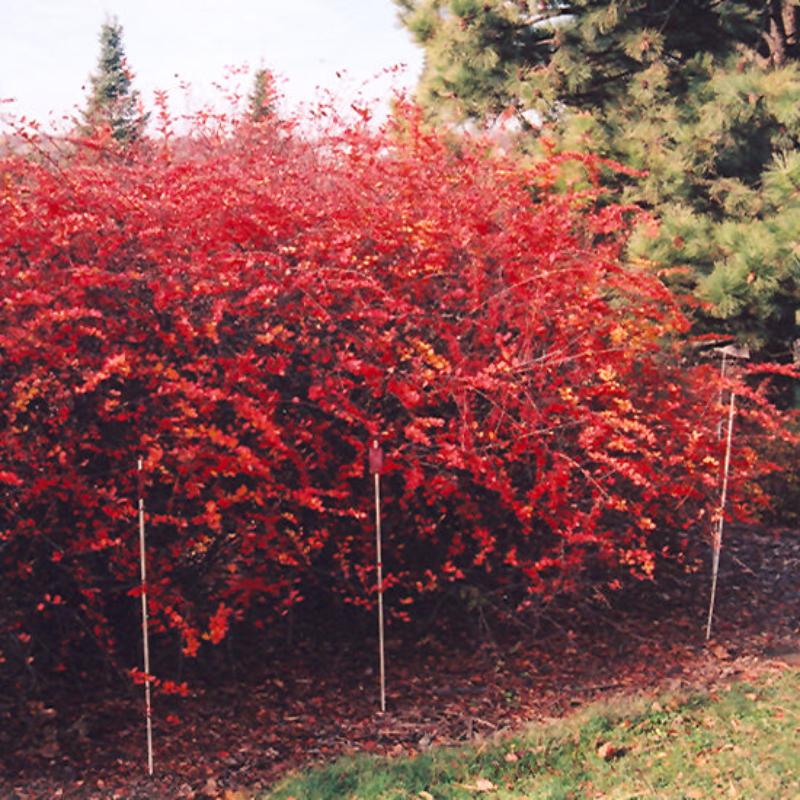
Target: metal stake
column 722, row 375
column 376, row 464
column 717, row 541
column 145, row 642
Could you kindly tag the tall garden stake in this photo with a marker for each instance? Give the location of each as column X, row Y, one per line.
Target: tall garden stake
column 717, row 540
column 145, row 642
column 730, row 354
column 723, row 372
column 375, row 467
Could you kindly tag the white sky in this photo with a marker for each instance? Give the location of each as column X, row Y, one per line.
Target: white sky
column 48, row 48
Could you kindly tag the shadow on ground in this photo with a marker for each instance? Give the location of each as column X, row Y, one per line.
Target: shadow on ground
column 231, row 742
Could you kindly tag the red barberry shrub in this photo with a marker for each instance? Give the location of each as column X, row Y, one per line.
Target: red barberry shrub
column 247, row 306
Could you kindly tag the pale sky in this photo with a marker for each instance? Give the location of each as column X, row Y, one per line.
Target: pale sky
column 48, row 48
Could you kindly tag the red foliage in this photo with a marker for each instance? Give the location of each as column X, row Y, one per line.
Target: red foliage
column 247, row 309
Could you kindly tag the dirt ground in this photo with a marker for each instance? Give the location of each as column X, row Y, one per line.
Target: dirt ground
column 232, row 742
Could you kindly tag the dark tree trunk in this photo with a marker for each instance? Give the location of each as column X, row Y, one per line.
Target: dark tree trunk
column 780, row 35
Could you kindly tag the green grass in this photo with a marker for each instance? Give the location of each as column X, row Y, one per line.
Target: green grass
column 743, row 741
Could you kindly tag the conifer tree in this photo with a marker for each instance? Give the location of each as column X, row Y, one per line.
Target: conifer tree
column 261, row 102
column 112, row 101
column 702, row 96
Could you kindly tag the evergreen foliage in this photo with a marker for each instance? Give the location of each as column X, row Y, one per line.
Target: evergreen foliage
column 261, row 102
column 112, row 101
column 701, row 96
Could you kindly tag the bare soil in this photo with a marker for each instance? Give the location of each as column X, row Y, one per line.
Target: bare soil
column 303, row 707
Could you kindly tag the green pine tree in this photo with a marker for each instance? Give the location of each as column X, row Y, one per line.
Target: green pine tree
column 112, row 101
column 702, row 95
column 261, row 102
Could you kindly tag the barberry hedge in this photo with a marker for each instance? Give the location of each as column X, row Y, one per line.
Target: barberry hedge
column 246, row 306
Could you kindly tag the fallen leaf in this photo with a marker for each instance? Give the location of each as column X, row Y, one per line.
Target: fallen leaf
column 481, row 785
column 49, row 749
column 607, row 751
column 720, row 652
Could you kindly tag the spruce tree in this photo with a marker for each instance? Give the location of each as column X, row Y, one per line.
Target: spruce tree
column 702, row 96
column 261, row 102
column 112, row 101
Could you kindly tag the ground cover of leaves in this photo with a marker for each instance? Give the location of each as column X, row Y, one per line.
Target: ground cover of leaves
column 234, row 742
column 737, row 741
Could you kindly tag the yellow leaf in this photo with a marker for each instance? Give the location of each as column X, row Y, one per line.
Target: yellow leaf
column 481, row 785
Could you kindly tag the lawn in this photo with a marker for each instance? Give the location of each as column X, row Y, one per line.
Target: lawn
column 740, row 740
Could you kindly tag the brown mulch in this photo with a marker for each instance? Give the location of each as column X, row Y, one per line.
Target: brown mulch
column 232, row 742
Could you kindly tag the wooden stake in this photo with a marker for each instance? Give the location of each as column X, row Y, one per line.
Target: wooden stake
column 145, row 642
column 376, row 464
column 717, row 540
